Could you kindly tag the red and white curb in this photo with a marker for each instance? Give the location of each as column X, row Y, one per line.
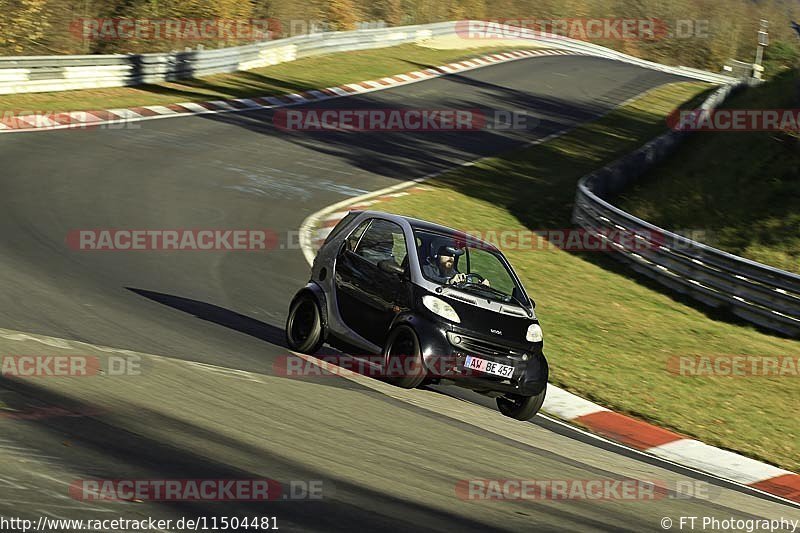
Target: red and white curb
column 44, row 121
column 671, row 446
column 618, row 428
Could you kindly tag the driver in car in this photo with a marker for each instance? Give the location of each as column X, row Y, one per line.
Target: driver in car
column 444, row 271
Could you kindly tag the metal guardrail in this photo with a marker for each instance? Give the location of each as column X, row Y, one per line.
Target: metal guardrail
column 583, row 47
column 763, row 295
column 29, row 74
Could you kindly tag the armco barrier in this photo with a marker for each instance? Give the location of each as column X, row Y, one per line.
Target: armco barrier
column 761, row 294
column 30, row 74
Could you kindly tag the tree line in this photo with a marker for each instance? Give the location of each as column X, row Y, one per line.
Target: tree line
column 700, row 33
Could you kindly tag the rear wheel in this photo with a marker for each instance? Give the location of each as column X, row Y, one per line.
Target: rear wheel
column 521, row 407
column 304, row 325
column 403, row 365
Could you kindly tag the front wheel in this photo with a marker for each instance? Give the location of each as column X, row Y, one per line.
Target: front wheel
column 521, row 407
column 304, row 325
column 403, row 365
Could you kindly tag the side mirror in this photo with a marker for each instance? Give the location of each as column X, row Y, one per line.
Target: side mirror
column 390, row 267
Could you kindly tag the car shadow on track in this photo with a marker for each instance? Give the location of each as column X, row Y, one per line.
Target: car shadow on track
column 287, row 365
column 218, row 315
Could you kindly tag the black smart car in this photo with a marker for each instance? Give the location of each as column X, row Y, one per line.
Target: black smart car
column 409, row 291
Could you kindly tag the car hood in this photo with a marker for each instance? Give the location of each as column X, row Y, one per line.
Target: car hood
column 495, row 325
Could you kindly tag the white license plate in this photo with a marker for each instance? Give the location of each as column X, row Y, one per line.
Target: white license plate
column 489, row 367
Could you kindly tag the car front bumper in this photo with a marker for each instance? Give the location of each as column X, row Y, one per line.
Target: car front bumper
column 446, row 360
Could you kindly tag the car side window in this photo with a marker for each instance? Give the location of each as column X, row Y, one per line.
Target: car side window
column 383, row 240
column 355, row 237
column 341, row 226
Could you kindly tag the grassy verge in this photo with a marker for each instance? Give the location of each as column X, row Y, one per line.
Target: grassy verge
column 300, row 75
column 740, row 190
column 609, row 336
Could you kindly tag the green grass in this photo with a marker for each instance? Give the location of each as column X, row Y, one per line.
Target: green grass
column 609, row 334
column 310, row 73
column 741, row 191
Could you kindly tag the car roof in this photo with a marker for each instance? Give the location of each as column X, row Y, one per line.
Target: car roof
column 425, row 225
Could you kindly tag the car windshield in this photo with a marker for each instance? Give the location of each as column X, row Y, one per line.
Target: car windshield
column 450, row 260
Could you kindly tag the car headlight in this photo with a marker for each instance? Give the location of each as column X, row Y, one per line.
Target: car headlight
column 441, row 308
column 534, row 333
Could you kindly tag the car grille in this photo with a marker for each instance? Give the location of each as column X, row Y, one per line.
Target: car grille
column 472, row 345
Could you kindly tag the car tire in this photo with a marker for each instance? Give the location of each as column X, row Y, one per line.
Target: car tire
column 521, row 407
column 304, row 325
column 403, row 364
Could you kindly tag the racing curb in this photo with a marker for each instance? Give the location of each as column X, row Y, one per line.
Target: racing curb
column 115, row 117
column 616, row 427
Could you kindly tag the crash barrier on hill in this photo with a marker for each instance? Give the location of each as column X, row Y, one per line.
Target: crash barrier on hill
column 29, row 74
column 763, row 295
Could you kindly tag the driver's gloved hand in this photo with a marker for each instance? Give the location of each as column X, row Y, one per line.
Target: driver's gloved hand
column 458, row 278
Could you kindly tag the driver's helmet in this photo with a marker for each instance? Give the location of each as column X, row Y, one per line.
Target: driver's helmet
column 449, row 249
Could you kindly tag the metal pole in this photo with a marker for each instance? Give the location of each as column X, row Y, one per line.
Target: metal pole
column 763, row 42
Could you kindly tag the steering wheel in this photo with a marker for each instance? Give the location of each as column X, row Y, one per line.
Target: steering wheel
column 478, row 277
